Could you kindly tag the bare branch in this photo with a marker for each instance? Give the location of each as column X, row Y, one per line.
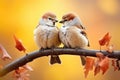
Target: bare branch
column 57, row 51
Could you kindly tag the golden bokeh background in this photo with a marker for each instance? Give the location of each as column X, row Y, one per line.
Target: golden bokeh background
column 20, row 17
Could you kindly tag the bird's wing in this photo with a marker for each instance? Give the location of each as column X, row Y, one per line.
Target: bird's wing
column 85, row 34
column 83, row 27
column 80, row 26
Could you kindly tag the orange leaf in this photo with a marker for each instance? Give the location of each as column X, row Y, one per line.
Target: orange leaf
column 105, row 40
column 100, row 55
column 97, row 69
column 20, row 70
column 19, row 44
column 21, row 74
column 114, row 65
column 5, row 54
column 86, row 73
column 89, row 65
column 101, row 64
column 104, row 64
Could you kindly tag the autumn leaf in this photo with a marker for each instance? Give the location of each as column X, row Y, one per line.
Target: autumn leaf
column 22, row 73
column 101, row 64
column 100, row 55
column 97, row 68
column 86, row 73
column 20, row 70
column 104, row 64
column 114, row 65
column 105, row 40
column 5, row 54
column 19, row 44
column 89, row 65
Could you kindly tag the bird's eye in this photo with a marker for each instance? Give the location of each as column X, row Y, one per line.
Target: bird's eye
column 50, row 18
column 65, row 20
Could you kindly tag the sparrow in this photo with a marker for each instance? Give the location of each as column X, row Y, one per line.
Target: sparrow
column 72, row 34
column 46, row 35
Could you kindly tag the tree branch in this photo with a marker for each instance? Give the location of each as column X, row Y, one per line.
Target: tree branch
column 56, row 51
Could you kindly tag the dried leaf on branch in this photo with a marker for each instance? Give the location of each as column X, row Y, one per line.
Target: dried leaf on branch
column 89, row 65
column 22, row 73
column 114, row 64
column 19, row 45
column 104, row 64
column 5, row 54
column 100, row 64
column 105, row 40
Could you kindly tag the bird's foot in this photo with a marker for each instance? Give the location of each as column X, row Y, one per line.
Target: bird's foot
column 42, row 49
column 65, row 47
column 54, row 58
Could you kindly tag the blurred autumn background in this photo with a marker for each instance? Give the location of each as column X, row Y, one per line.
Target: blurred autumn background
column 20, row 17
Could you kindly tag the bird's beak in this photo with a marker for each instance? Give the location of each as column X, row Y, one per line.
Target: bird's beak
column 54, row 21
column 62, row 21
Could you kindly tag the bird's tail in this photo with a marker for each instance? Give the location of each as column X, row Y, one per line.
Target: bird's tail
column 55, row 59
column 83, row 60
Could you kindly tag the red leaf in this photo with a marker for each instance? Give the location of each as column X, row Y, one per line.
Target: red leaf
column 20, row 70
column 104, row 64
column 114, row 65
column 19, row 44
column 101, row 64
column 5, row 54
column 89, row 65
column 97, row 69
column 86, row 73
column 21, row 73
column 100, row 55
column 105, row 40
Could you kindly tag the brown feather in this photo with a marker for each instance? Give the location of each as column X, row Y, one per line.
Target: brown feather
column 49, row 14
